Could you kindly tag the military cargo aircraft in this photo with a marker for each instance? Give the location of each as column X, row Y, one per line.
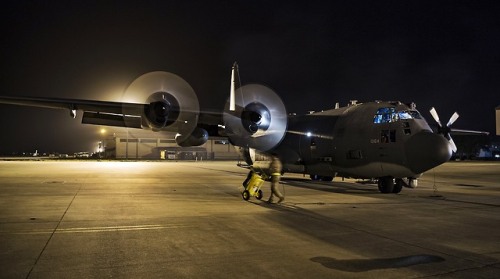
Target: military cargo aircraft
column 387, row 141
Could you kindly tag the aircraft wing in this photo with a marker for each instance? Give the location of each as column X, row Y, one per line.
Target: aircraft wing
column 94, row 112
column 467, row 132
column 107, row 113
column 164, row 101
column 56, row 103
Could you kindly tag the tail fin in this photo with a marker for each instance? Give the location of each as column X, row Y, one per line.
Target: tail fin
column 234, row 84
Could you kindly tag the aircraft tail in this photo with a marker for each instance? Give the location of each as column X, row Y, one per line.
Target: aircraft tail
column 235, row 83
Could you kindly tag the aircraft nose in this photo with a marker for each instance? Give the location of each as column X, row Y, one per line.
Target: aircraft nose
column 427, row 150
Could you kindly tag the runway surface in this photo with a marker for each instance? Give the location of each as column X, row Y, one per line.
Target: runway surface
column 88, row 219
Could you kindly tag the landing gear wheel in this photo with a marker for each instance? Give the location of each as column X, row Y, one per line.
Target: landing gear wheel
column 398, row 186
column 246, row 195
column 259, row 195
column 314, row 177
column 413, row 183
column 326, row 178
column 386, row 184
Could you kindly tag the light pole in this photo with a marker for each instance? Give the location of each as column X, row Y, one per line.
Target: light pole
column 102, row 148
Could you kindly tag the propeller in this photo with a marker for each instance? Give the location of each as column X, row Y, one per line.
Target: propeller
column 167, row 99
column 445, row 130
column 258, row 118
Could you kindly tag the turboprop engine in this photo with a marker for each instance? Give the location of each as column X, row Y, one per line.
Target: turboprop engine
column 168, row 101
column 258, row 119
column 197, row 137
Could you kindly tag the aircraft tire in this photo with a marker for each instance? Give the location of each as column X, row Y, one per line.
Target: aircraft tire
column 386, row 184
column 398, row 186
column 326, row 178
column 246, row 195
column 314, row 177
column 259, row 195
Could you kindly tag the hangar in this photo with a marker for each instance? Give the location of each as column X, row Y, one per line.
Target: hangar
column 143, row 144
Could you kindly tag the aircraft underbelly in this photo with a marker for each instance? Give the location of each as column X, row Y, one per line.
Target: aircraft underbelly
column 396, row 170
column 324, row 169
column 375, row 169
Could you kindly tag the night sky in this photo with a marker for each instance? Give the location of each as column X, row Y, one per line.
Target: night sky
column 312, row 53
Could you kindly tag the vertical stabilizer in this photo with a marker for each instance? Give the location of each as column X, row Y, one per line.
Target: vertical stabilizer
column 232, row 97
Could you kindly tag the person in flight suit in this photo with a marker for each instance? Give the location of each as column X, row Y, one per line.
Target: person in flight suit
column 275, row 170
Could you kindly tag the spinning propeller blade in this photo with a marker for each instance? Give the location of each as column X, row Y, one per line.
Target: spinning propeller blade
column 445, row 131
column 435, row 116
column 452, row 120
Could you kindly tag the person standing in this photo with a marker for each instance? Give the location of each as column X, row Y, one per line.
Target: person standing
column 275, row 168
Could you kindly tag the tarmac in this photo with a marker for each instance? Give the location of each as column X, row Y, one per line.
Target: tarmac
column 101, row 219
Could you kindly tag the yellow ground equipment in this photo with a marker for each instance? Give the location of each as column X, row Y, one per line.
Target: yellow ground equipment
column 252, row 185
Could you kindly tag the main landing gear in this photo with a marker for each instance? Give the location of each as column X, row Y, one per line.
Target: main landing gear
column 316, row 177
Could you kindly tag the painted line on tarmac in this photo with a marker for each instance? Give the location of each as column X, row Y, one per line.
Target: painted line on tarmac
column 98, row 229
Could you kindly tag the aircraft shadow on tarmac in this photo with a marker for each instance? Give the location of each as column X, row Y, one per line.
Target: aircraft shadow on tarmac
column 362, row 265
column 332, row 187
column 314, row 224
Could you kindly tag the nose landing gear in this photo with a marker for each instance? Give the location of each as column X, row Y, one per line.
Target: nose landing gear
column 387, row 185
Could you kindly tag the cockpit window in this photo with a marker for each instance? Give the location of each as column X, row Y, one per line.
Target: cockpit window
column 415, row 114
column 404, row 115
column 385, row 115
column 389, row 115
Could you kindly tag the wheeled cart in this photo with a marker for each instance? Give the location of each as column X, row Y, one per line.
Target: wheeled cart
column 252, row 185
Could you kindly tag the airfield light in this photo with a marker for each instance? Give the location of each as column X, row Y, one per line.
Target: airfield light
column 308, row 134
column 101, row 143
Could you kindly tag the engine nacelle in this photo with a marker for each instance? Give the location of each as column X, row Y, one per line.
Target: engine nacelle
column 259, row 120
column 197, row 137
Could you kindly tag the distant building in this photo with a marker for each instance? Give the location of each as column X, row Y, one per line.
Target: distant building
column 143, row 144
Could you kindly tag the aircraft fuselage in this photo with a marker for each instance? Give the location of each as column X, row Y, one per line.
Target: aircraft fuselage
column 369, row 140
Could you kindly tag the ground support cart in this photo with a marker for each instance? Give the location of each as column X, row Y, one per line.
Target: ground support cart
column 252, row 185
